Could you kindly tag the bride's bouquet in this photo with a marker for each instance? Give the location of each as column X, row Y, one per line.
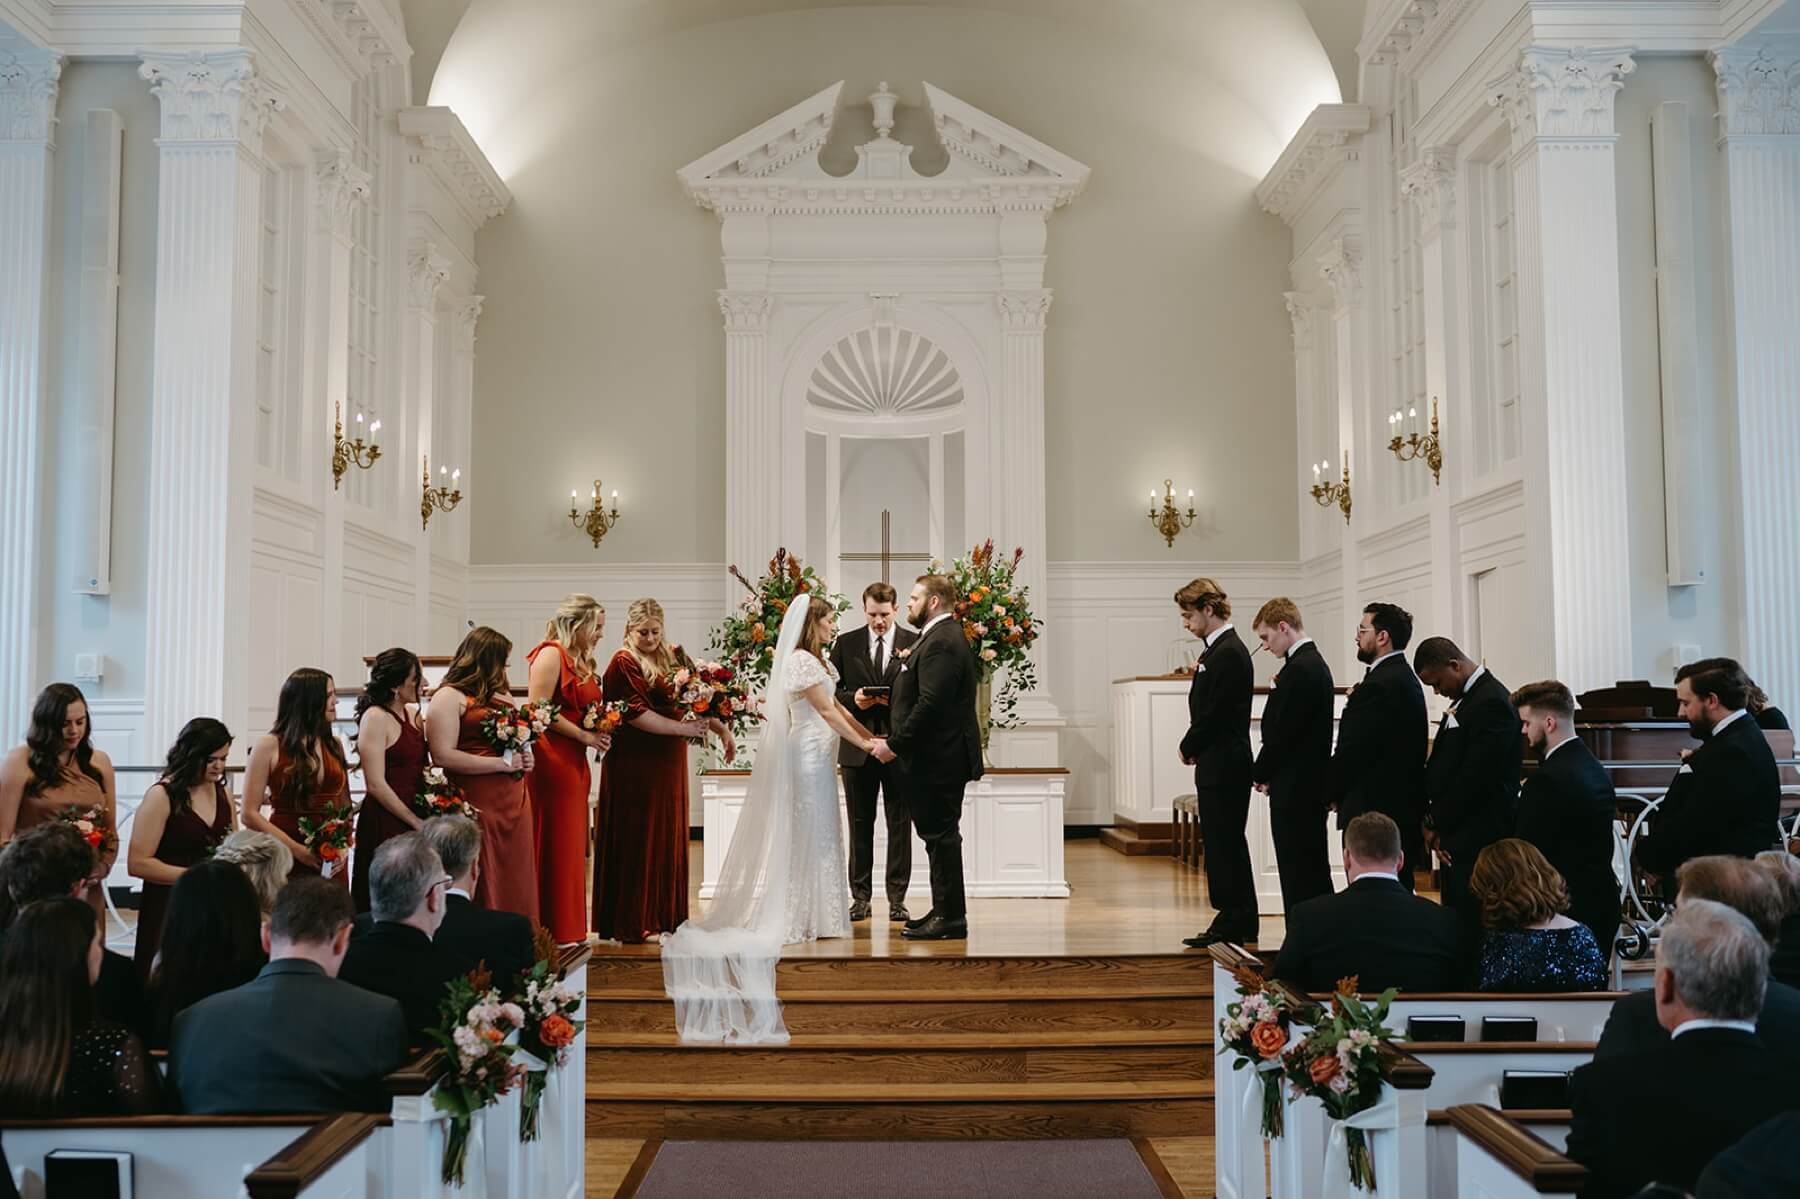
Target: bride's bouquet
column 711, row 691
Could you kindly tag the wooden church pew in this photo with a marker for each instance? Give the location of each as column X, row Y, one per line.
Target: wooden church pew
column 1500, row 1156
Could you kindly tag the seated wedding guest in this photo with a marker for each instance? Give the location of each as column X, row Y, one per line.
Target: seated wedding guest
column 1374, row 928
column 1661, row 1114
column 183, row 817
column 470, row 933
column 58, row 1057
column 1763, row 1163
column 1783, row 869
column 213, row 943
column 1529, row 945
column 53, row 861
column 395, row 956
column 58, row 767
column 296, row 1038
column 1746, row 889
column 1768, row 717
column 263, row 858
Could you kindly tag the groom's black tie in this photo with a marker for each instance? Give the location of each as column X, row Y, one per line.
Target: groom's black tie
column 880, row 658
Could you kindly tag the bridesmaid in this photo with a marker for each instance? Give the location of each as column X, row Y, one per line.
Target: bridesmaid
column 641, row 854
column 299, row 765
column 184, row 816
column 563, row 671
column 391, row 748
column 58, row 767
column 473, row 687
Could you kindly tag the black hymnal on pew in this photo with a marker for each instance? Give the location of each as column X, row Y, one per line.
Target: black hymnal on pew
column 87, row 1174
column 1434, row 1028
column 1509, row 1028
column 1534, row 1089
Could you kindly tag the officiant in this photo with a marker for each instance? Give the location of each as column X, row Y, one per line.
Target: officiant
column 867, row 660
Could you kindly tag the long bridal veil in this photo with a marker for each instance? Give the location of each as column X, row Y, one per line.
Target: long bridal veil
column 720, row 970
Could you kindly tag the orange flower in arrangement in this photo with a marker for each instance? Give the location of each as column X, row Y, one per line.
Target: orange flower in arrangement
column 702, row 706
column 556, row 1031
column 780, row 605
column 758, row 633
column 1269, row 1038
column 329, row 852
column 1323, row 1068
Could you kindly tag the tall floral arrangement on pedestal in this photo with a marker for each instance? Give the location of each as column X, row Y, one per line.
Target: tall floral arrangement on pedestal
column 995, row 612
column 1338, row 1063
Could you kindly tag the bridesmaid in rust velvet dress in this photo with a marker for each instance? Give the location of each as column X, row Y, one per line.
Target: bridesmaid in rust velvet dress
column 299, row 766
column 473, row 687
column 563, row 672
column 183, row 817
column 641, row 843
column 391, row 748
column 57, row 768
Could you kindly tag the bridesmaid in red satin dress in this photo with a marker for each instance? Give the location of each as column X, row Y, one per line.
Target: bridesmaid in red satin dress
column 563, row 671
column 299, row 766
column 183, row 817
column 641, row 842
column 58, row 767
column 391, row 747
column 472, row 688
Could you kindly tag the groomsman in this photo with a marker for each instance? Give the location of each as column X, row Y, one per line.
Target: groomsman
column 1379, row 764
column 1217, row 746
column 1567, row 807
column 1472, row 776
column 868, row 660
column 1293, row 768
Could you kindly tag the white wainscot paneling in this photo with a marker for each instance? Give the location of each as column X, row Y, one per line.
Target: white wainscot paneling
column 1494, row 594
column 378, row 600
column 1396, row 569
column 448, row 619
column 286, row 615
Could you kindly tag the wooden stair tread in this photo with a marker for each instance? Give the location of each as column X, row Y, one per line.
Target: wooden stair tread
column 976, row 1041
column 921, row 995
column 985, row 1092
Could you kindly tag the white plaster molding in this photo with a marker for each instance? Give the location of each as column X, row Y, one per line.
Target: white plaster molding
column 438, row 142
column 992, row 145
column 1341, row 266
column 1430, row 183
column 1759, row 89
column 1025, row 311
column 1562, row 93
column 1329, row 138
column 778, row 142
column 339, row 186
column 28, row 84
column 467, row 311
column 360, row 34
column 1299, row 310
column 745, row 311
column 211, row 96
column 427, row 271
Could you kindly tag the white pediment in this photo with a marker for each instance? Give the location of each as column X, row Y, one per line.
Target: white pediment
column 775, row 166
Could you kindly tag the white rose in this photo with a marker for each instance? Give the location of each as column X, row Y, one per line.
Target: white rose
column 989, row 654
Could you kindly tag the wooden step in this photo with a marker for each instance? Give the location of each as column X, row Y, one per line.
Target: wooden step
column 964, row 1092
column 1013, row 1119
column 976, row 1020
column 794, row 1066
column 972, row 977
column 1047, row 1038
column 1134, row 844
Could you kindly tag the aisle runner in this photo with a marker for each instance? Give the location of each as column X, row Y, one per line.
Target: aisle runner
column 899, row 1170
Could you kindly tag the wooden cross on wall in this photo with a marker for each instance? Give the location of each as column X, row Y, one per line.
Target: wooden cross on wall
column 888, row 556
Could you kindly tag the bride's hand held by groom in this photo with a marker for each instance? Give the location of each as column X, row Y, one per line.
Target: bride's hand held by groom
column 878, row 749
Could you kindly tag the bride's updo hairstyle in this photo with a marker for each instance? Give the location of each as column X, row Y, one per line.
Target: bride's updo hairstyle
column 577, row 615
column 813, row 640
column 642, row 612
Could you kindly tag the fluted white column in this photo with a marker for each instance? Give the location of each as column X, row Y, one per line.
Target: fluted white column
column 1016, row 444
column 28, row 83
column 752, row 435
column 1566, row 217
column 203, row 380
column 451, row 427
column 427, row 271
column 1341, row 266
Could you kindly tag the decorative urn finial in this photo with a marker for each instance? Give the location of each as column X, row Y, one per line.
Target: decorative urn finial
column 883, row 101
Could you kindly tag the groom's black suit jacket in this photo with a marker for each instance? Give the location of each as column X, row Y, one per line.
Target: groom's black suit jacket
column 935, row 733
column 850, row 654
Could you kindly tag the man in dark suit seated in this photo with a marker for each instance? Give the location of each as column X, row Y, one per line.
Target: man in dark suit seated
column 1632, row 1026
column 1760, row 1165
column 1374, row 928
column 1379, row 763
column 395, row 956
column 1567, row 808
column 470, row 934
column 1726, row 797
column 1783, row 869
column 296, row 1038
column 51, row 861
column 1660, row 1115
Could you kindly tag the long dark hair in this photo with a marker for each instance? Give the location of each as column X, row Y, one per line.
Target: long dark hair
column 389, row 673
column 185, row 769
column 45, row 740
column 46, row 999
column 211, row 942
column 303, row 730
column 479, row 668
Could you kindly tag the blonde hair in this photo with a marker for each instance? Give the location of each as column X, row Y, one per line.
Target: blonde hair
column 263, row 858
column 578, row 611
column 642, row 612
column 1516, row 885
column 1272, row 614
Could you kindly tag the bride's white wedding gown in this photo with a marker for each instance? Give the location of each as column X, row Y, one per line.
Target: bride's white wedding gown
column 818, row 899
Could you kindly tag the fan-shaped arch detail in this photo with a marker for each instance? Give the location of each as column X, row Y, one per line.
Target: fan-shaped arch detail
column 885, row 369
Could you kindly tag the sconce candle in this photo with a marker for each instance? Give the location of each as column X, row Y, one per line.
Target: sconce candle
column 596, row 522
column 1412, row 446
column 1327, row 494
column 1168, row 520
column 442, row 498
column 344, row 453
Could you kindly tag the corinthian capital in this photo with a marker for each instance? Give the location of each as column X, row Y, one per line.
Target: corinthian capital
column 1562, row 93
column 1341, row 266
column 211, row 96
column 1759, row 90
column 1430, row 183
column 426, row 272
column 745, row 311
column 1300, row 313
column 467, row 312
column 339, row 185
column 1025, row 311
column 28, row 82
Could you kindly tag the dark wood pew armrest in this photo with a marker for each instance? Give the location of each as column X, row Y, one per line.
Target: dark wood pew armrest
column 418, row 1075
column 314, row 1152
column 571, row 957
column 1524, row 1115
column 1518, row 1149
column 1235, row 957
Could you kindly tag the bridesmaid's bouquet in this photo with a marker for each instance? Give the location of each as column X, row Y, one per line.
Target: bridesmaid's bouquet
column 550, row 1028
column 94, row 827
column 509, row 730
column 438, row 796
column 474, row 1033
column 605, row 717
column 328, row 838
column 542, row 714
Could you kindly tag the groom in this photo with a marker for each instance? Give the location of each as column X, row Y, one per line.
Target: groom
column 937, row 742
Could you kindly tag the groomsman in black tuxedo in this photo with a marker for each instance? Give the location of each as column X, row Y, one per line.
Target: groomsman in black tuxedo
column 1472, row 776
column 1293, row 767
column 868, row 661
column 1379, row 764
column 1567, row 807
column 1217, row 746
column 1726, row 797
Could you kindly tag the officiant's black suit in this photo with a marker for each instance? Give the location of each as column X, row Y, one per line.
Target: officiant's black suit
column 864, row 777
column 1472, row 782
column 1295, row 765
column 1379, row 764
column 937, row 741
column 1218, row 744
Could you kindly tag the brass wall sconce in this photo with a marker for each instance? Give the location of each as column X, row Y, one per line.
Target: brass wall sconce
column 596, row 522
column 1325, row 494
column 1413, row 446
column 343, row 453
column 442, row 498
column 1169, row 520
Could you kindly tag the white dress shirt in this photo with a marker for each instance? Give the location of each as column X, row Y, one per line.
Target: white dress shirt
column 882, row 648
column 1718, row 728
column 1295, row 646
column 1216, row 634
column 1692, row 1025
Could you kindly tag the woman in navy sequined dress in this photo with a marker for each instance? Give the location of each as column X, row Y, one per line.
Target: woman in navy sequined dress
column 1529, row 945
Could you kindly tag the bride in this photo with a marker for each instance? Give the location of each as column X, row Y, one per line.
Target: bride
column 783, row 878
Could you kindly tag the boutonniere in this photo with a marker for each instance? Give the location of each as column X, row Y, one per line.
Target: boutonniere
column 902, row 655
column 1275, row 681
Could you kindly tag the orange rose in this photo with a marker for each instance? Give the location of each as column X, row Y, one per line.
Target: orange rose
column 492, row 1035
column 556, row 1031
column 1269, row 1038
column 757, row 632
column 1323, row 1069
column 329, row 853
column 701, row 705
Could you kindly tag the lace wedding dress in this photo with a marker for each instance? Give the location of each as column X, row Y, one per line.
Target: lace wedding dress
column 783, row 877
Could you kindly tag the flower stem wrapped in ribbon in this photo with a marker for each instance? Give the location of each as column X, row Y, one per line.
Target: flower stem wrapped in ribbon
column 328, row 837
column 473, row 1034
column 94, row 826
column 550, row 1028
column 1256, row 1029
column 1339, row 1063
column 438, row 796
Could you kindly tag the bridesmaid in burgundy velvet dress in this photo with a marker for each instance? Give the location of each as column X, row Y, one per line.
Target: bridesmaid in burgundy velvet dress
column 299, row 766
column 473, row 688
column 563, row 672
column 181, row 820
column 391, row 747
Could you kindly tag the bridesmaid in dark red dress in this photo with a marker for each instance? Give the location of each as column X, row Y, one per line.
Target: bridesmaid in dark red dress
column 473, row 687
column 641, row 846
column 180, row 821
column 299, row 766
column 563, row 672
column 390, row 745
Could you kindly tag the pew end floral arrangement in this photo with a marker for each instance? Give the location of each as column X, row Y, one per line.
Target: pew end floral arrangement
column 1257, row 1028
column 328, row 837
column 1338, row 1062
column 476, row 1034
column 550, row 1028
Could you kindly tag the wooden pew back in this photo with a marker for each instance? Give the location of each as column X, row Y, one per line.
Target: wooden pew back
column 172, row 1157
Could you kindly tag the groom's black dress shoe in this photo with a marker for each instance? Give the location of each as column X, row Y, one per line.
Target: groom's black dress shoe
column 897, row 914
column 859, row 911
column 922, row 921
column 938, row 928
column 1212, row 937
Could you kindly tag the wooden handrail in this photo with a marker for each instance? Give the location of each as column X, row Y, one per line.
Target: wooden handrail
column 315, row 1151
column 572, row 956
column 418, row 1075
column 1402, row 1071
column 167, row 1120
column 1520, row 1115
column 1518, row 1149
column 1235, row 957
